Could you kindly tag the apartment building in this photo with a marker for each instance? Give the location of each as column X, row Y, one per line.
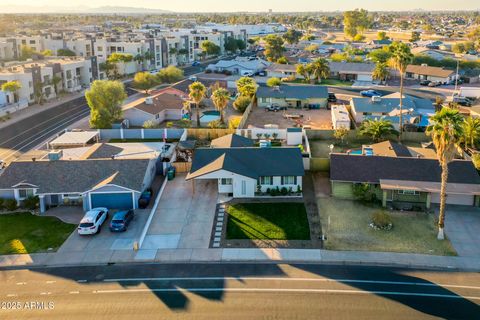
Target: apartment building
column 37, row 77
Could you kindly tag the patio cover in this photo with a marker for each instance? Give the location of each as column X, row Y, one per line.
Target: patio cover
column 421, row 186
column 74, row 139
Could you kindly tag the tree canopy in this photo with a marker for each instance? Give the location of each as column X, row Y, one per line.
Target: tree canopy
column 274, row 47
column 356, row 22
column 105, row 98
column 292, row 36
column 145, row 81
column 210, row 48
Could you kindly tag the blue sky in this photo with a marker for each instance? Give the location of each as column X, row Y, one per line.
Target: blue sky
column 255, row 5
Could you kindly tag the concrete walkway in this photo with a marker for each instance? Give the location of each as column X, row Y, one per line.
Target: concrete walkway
column 244, row 255
column 462, row 226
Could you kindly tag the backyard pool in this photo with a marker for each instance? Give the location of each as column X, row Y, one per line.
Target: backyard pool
column 209, row 116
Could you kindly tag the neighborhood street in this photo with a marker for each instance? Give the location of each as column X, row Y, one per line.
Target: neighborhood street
column 210, row 291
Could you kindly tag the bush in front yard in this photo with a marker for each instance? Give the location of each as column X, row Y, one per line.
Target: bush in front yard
column 381, row 220
column 31, row 203
column 10, row 204
column 241, row 103
column 1, row 203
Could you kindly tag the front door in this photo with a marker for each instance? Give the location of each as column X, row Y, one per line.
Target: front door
column 54, row 199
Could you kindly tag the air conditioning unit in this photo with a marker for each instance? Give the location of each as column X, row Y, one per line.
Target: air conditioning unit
column 376, row 99
column 149, row 100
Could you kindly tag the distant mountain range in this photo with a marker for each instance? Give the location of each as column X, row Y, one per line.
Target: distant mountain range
column 80, row 9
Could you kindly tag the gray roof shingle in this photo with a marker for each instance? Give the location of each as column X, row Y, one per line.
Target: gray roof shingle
column 249, row 162
column 290, row 91
column 231, row 141
column 357, row 168
column 75, row 176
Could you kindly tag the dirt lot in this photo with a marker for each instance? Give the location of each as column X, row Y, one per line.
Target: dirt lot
column 316, row 119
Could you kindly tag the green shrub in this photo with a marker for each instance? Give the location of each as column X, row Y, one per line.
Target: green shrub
column 31, row 203
column 382, row 220
column 216, row 124
column 241, row 103
column 10, row 204
column 476, row 160
column 284, row 191
column 1, row 203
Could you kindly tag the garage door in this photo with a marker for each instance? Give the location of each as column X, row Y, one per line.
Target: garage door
column 122, row 200
column 461, row 199
column 364, row 77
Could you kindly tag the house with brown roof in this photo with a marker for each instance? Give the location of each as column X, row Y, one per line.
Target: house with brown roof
column 280, row 71
column 425, row 72
column 158, row 108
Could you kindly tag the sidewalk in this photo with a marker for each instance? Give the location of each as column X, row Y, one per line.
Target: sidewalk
column 35, row 109
column 242, row 255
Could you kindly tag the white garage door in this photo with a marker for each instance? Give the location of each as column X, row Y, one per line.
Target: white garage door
column 466, row 200
column 364, row 77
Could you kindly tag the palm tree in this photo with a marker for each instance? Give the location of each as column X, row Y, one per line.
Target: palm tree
column 320, row 69
column 55, row 81
column 377, row 129
column 220, row 98
column 380, row 72
column 471, row 128
column 401, row 58
column 446, row 130
column 197, row 93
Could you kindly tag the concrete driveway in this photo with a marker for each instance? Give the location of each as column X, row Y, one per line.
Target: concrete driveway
column 462, row 227
column 183, row 219
column 107, row 240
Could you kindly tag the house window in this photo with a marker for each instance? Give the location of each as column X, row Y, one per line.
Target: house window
column 244, row 187
column 409, row 192
column 263, row 100
column 289, row 180
column 157, row 116
column 265, row 180
column 226, row 181
column 25, row 193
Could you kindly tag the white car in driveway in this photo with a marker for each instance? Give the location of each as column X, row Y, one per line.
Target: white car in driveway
column 92, row 222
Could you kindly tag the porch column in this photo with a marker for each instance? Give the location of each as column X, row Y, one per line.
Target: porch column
column 384, row 198
column 41, row 199
column 142, row 132
column 429, row 199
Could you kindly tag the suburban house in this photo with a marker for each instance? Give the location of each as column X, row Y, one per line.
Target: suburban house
column 378, row 44
column 115, row 184
column 246, row 172
column 281, row 71
column 403, row 177
column 239, row 65
column 159, row 108
column 349, row 71
column 433, row 53
column 232, row 141
column 293, row 95
column 425, row 72
column 415, row 111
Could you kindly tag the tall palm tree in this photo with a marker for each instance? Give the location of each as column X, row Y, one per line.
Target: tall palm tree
column 197, row 93
column 380, row 72
column 471, row 128
column 401, row 58
column 220, row 98
column 377, row 129
column 446, row 130
column 320, row 69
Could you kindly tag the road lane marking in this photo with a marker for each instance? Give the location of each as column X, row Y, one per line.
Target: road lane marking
column 21, row 283
column 306, row 290
column 11, row 295
column 50, row 281
column 74, row 292
column 423, row 284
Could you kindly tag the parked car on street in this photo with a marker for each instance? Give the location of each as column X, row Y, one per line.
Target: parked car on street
column 434, row 84
column 425, row 82
column 463, row 101
column 121, row 220
column 92, row 222
column 274, row 108
column 370, row 93
column 195, row 63
column 193, row 78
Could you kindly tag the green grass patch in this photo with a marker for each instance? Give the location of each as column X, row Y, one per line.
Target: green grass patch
column 26, row 233
column 268, row 221
column 349, row 230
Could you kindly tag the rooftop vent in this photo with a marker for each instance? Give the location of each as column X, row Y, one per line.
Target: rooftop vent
column 376, row 99
column 55, row 155
column 149, row 100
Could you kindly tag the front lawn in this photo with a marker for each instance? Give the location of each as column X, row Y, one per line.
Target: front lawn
column 268, row 221
column 413, row 232
column 26, row 233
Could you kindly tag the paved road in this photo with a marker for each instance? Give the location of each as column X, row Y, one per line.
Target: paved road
column 239, row 291
column 419, row 93
column 26, row 134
